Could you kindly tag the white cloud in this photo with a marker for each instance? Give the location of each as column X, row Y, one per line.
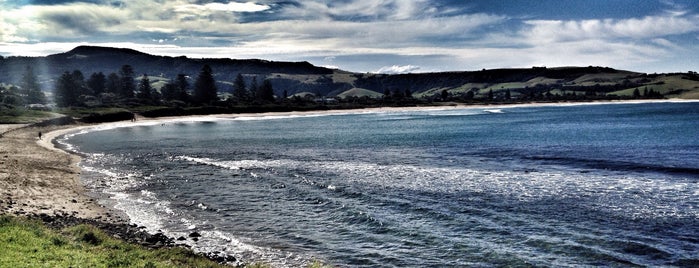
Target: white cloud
column 396, row 69
column 406, row 30
column 544, row 31
column 229, row 7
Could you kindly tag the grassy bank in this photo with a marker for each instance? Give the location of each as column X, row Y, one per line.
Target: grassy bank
column 29, row 243
column 22, row 116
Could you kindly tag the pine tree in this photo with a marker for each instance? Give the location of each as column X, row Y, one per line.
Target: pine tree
column 97, row 83
column 239, row 90
column 68, row 88
column 113, row 83
column 636, row 93
column 169, row 91
column 205, row 86
column 127, row 82
column 182, row 88
column 254, row 88
column 145, row 89
column 266, row 92
column 31, row 89
column 80, row 87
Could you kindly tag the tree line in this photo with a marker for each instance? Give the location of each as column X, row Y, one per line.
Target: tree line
column 72, row 89
column 28, row 92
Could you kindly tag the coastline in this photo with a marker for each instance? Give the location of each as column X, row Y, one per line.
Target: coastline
column 38, row 177
column 42, row 181
column 38, row 180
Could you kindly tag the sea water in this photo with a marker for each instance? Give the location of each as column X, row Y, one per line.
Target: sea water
column 557, row 186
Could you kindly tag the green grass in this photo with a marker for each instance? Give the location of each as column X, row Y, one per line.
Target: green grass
column 81, row 112
column 20, row 115
column 27, row 243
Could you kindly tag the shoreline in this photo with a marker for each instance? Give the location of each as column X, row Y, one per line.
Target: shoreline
column 40, row 180
column 92, row 209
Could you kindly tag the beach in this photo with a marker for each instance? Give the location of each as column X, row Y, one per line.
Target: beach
column 38, row 180
column 36, row 177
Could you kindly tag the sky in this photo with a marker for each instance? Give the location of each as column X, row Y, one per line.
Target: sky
column 378, row 36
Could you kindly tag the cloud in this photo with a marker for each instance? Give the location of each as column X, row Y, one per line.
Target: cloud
column 229, row 7
column 439, row 35
column 395, row 69
column 546, row 31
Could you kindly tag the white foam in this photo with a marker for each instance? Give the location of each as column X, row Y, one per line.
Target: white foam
column 610, row 192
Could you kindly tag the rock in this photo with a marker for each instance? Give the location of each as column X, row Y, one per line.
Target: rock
column 181, row 238
column 194, row 234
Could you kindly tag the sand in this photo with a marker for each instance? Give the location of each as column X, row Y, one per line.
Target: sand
column 36, row 178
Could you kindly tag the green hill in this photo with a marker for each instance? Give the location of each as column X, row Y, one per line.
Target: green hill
column 297, row 77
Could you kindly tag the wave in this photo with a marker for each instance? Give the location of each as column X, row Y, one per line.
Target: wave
column 523, row 185
column 620, row 165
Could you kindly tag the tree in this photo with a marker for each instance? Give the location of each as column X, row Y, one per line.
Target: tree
column 397, row 94
column 254, row 87
column 97, row 83
column 239, row 91
column 445, row 95
column 490, row 95
column 127, row 82
column 65, row 93
column 31, row 89
column 113, row 84
column 508, row 95
column 169, row 91
column 205, row 86
column 408, row 94
column 182, row 88
column 145, row 89
column 176, row 90
column 80, row 87
column 469, row 95
column 266, row 92
column 636, row 93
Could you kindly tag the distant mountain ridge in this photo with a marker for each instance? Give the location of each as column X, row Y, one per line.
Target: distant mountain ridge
column 301, row 77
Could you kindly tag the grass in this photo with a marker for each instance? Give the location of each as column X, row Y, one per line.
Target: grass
column 81, row 112
column 18, row 115
column 27, row 243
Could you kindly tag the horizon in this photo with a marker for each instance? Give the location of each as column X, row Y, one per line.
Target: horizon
column 389, row 37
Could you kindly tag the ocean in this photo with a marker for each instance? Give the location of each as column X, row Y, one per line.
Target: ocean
column 552, row 186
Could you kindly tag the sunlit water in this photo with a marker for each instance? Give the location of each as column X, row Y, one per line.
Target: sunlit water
column 602, row 185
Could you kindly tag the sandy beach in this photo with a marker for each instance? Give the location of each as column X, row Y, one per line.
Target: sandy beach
column 36, row 179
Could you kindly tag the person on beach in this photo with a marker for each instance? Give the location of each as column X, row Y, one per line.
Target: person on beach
column 39, row 134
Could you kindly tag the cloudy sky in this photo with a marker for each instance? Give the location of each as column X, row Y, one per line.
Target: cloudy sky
column 371, row 35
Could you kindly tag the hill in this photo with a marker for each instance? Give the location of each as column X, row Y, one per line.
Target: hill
column 297, row 77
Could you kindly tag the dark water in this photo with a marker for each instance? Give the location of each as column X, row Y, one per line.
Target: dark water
column 588, row 185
